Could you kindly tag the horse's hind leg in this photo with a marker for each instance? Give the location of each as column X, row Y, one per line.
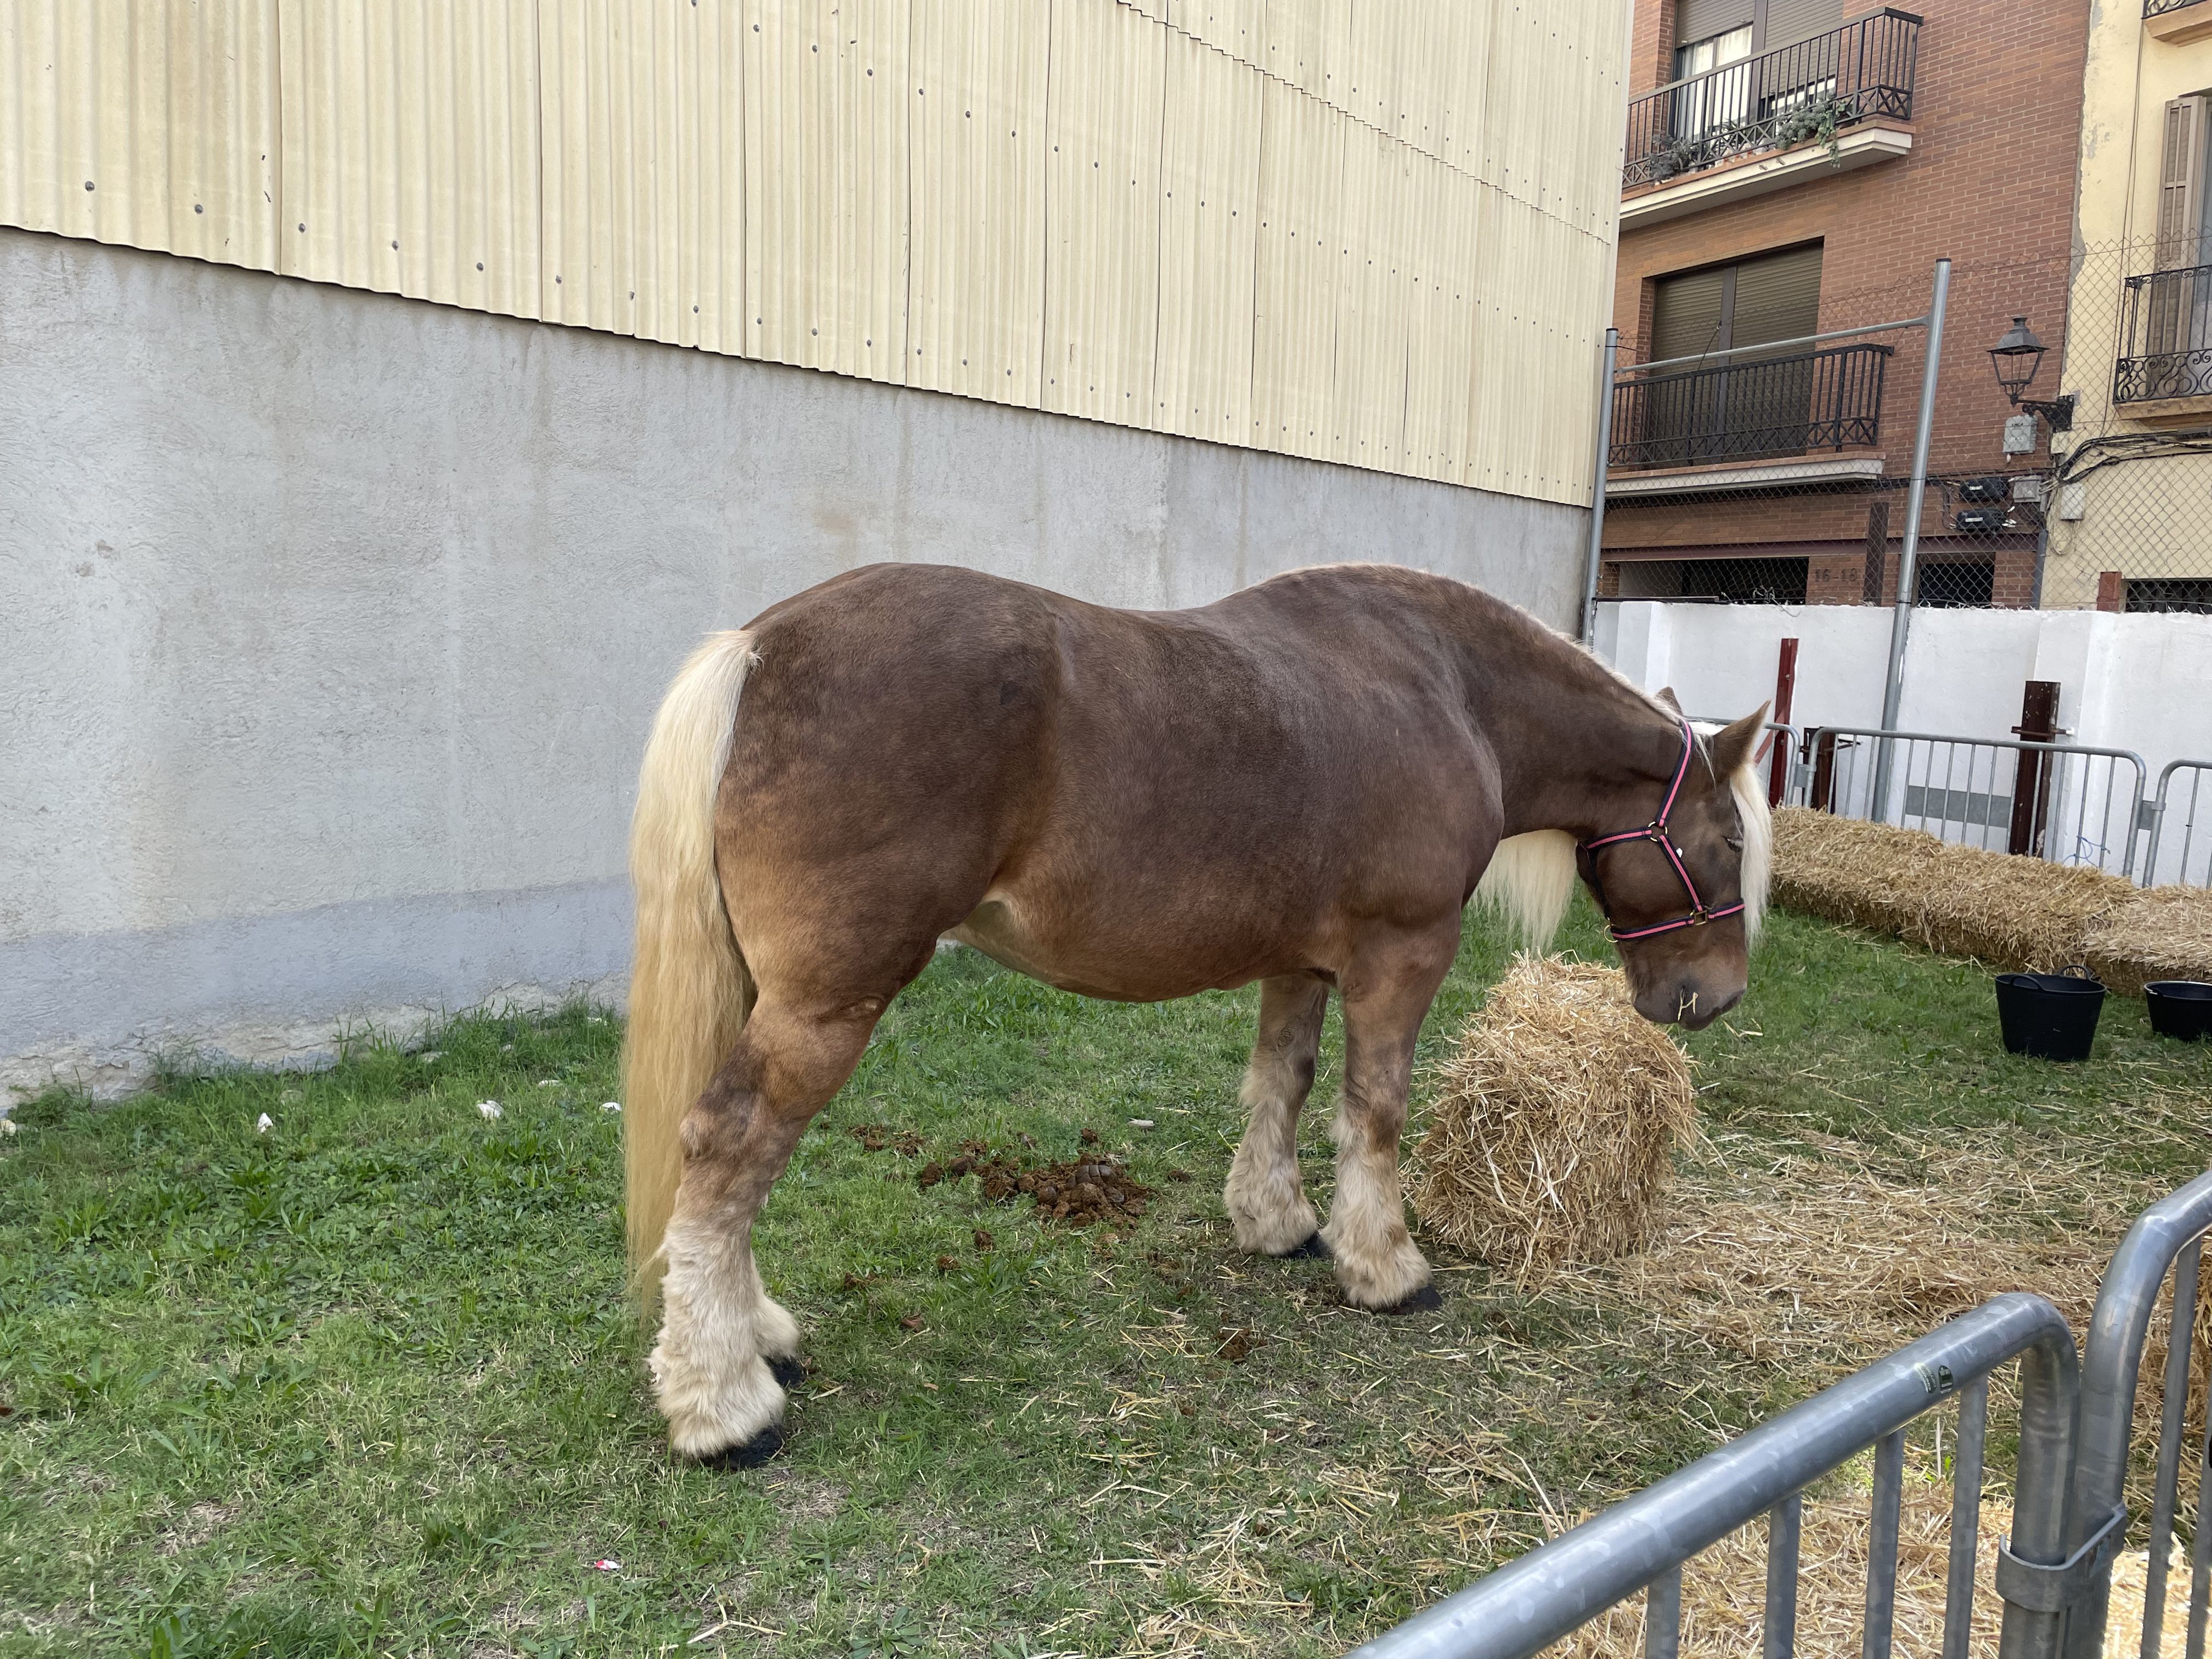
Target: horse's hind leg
column 726, row 1349
column 1387, row 990
column 1267, row 1205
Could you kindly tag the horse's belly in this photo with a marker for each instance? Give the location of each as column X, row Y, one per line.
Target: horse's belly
column 1004, row 931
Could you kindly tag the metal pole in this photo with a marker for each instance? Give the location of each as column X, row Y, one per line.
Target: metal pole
column 1597, row 486
column 1901, row 617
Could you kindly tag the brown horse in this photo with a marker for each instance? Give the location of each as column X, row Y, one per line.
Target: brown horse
column 1301, row 784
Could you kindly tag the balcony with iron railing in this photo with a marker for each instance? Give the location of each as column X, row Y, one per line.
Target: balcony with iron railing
column 1748, row 411
column 2160, row 7
column 1808, row 93
column 2178, row 22
column 2167, row 337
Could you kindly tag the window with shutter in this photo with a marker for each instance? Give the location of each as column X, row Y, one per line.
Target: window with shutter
column 2181, row 183
column 1701, row 20
column 1745, row 404
column 1788, row 22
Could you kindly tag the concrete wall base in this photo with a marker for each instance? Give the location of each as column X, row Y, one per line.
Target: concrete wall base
column 331, row 623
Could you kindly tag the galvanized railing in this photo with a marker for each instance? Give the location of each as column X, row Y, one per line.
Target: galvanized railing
column 1778, row 99
column 2170, row 800
column 1642, row 1543
column 1745, row 409
column 2168, row 1237
column 2068, row 803
column 2070, row 1515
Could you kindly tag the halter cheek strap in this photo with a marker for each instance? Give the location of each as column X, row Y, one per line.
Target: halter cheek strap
column 1657, row 833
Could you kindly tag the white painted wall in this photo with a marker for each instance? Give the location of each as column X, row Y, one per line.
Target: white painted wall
column 2140, row 682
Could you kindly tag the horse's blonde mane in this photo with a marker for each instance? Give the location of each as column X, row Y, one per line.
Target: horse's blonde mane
column 1530, row 879
column 1756, row 867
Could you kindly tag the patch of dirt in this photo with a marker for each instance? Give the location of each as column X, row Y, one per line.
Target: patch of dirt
column 1082, row 1192
column 196, row 1526
column 881, row 1137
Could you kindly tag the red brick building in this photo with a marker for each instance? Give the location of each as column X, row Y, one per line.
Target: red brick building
column 1793, row 168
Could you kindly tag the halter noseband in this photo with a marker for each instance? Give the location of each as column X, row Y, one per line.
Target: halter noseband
column 1657, row 833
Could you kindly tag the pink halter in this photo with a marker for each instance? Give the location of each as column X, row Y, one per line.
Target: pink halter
column 1657, row 833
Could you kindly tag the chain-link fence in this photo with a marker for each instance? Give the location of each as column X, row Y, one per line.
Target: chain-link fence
column 1782, row 476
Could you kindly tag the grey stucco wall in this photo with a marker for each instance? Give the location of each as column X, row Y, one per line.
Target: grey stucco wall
column 330, row 624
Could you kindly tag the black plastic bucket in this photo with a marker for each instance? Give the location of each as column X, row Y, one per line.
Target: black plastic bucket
column 2180, row 1008
column 2050, row 1016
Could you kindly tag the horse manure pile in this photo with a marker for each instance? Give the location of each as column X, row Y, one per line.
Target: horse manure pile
column 1088, row 1189
column 880, row 1137
column 1551, row 1143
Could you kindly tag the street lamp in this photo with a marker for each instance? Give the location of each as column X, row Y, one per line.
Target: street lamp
column 2015, row 358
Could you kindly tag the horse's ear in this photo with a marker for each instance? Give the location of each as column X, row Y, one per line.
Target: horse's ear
column 1666, row 695
column 1732, row 744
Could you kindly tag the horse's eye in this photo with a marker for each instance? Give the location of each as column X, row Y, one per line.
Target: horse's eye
column 1736, row 843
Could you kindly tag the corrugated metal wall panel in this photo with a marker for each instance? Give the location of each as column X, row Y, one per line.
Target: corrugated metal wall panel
column 133, row 122
column 980, row 147
column 1102, row 211
column 1298, row 261
column 593, row 165
column 1237, row 28
column 688, row 67
column 1209, row 221
column 1367, row 406
column 826, row 183
column 827, row 91
column 1297, row 34
column 1440, row 365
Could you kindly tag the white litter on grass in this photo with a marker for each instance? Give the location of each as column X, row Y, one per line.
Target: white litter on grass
column 430, row 1055
column 610, row 1105
column 265, row 1124
column 607, row 1566
column 548, row 1082
column 487, row 1109
column 1140, row 1123
column 7, row 1123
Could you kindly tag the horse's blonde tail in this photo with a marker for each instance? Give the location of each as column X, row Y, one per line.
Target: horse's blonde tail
column 688, row 989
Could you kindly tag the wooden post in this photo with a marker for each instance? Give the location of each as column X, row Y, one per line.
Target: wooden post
column 1877, row 551
column 2038, row 723
column 1786, row 693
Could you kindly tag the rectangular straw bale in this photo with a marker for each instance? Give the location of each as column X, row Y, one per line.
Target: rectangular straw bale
column 2009, row 911
column 2165, row 933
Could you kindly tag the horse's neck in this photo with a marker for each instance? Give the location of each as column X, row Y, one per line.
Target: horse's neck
column 1581, row 752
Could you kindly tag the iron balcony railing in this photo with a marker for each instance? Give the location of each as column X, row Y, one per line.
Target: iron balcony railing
column 1780, row 99
column 2167, row 351
column 1746, row 410
column 2160, row 7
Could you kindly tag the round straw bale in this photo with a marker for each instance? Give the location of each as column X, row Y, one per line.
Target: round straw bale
column 1550, row 1142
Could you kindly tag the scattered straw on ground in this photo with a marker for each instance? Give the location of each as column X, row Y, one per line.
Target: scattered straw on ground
column 1551, row 1139
column 2165, row 933
column 1820, row 1257
column 1724, row 1590
column 2011, row 912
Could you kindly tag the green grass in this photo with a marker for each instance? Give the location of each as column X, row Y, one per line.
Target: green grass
column 365, row 1383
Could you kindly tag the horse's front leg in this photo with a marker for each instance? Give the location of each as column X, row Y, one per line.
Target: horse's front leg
column 1267, row 1204
column 1387, row 990
column 727, row 1351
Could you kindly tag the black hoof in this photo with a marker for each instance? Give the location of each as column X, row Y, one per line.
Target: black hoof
column 751, row 1455
column 786, row 1370
column 1424, row 1300
column 1315, row 1247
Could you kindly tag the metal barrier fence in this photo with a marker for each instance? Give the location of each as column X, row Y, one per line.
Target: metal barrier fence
column 2069, row 1518
column 2163, row 828
column 2068, row 803
column 1641, row 1544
